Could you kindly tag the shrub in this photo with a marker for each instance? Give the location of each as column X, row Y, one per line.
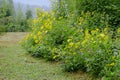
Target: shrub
column 48, row 36
column 81, row 44
column 93, row 20
column 2, row 28
column 91, row 53
column 109, row 8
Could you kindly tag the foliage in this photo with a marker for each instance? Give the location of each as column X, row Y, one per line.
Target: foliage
column 82, row 38
column 47, row 41
column 92, row 21
column 78, row 46
column 29, row 14
column 109, row 8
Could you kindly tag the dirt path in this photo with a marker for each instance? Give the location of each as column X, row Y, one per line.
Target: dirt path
column 15, row 64
column 11, row 37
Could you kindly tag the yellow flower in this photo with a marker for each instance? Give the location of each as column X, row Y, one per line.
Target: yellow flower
column 48, row 20
column 107, row 37
column 77, row 45
column 64, row 53
column 71, row 44
column 97, row 29
column 66, row 61
column 65, row 48
column 118, row 30
column 40, row 36
column 41, row 27
column 35, row 21
column 94, row 41
column 46, row 31
column 60, row 17
column 27, row 37
column 39, row 33
column 54, row 50
column 113, row 57
column 79, row 23
column 31, row 35
column 74, row 53
column 43, row 15
column 49, row 27
column 35, row 37
column 84, row 42
column 39, row 19
column 105, row 30
column 68, row 40
column 100, row 41
column 87, row 35
column 54, row 19
column 102, row 35
column 112, row 64
column 54, row 57
column 94, row 31
column 36, row 41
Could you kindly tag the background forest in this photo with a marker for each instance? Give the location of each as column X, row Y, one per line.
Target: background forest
column 12, row 20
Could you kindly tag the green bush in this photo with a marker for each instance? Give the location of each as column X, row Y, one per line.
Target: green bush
column 109, row 9
column 91, row 53
column 82, row 43
column 2, row 29
column 93, row 20
column 51, row 43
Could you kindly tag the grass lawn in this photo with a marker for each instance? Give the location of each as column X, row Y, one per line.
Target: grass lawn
column 15, row 64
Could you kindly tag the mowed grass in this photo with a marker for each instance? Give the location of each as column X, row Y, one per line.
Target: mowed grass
column 16, row 64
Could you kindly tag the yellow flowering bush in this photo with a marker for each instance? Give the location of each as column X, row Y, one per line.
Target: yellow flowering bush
column 90, row 51
column 48, row 36
column 78, row 45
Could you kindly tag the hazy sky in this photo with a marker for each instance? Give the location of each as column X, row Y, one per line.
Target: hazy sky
column 34, row 2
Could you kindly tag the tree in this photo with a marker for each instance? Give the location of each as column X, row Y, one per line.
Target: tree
column 2, row 12
column 28, row 13
column 11, row 7
column 19, row 15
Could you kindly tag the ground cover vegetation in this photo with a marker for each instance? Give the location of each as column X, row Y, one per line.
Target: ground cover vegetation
column 83, row 36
